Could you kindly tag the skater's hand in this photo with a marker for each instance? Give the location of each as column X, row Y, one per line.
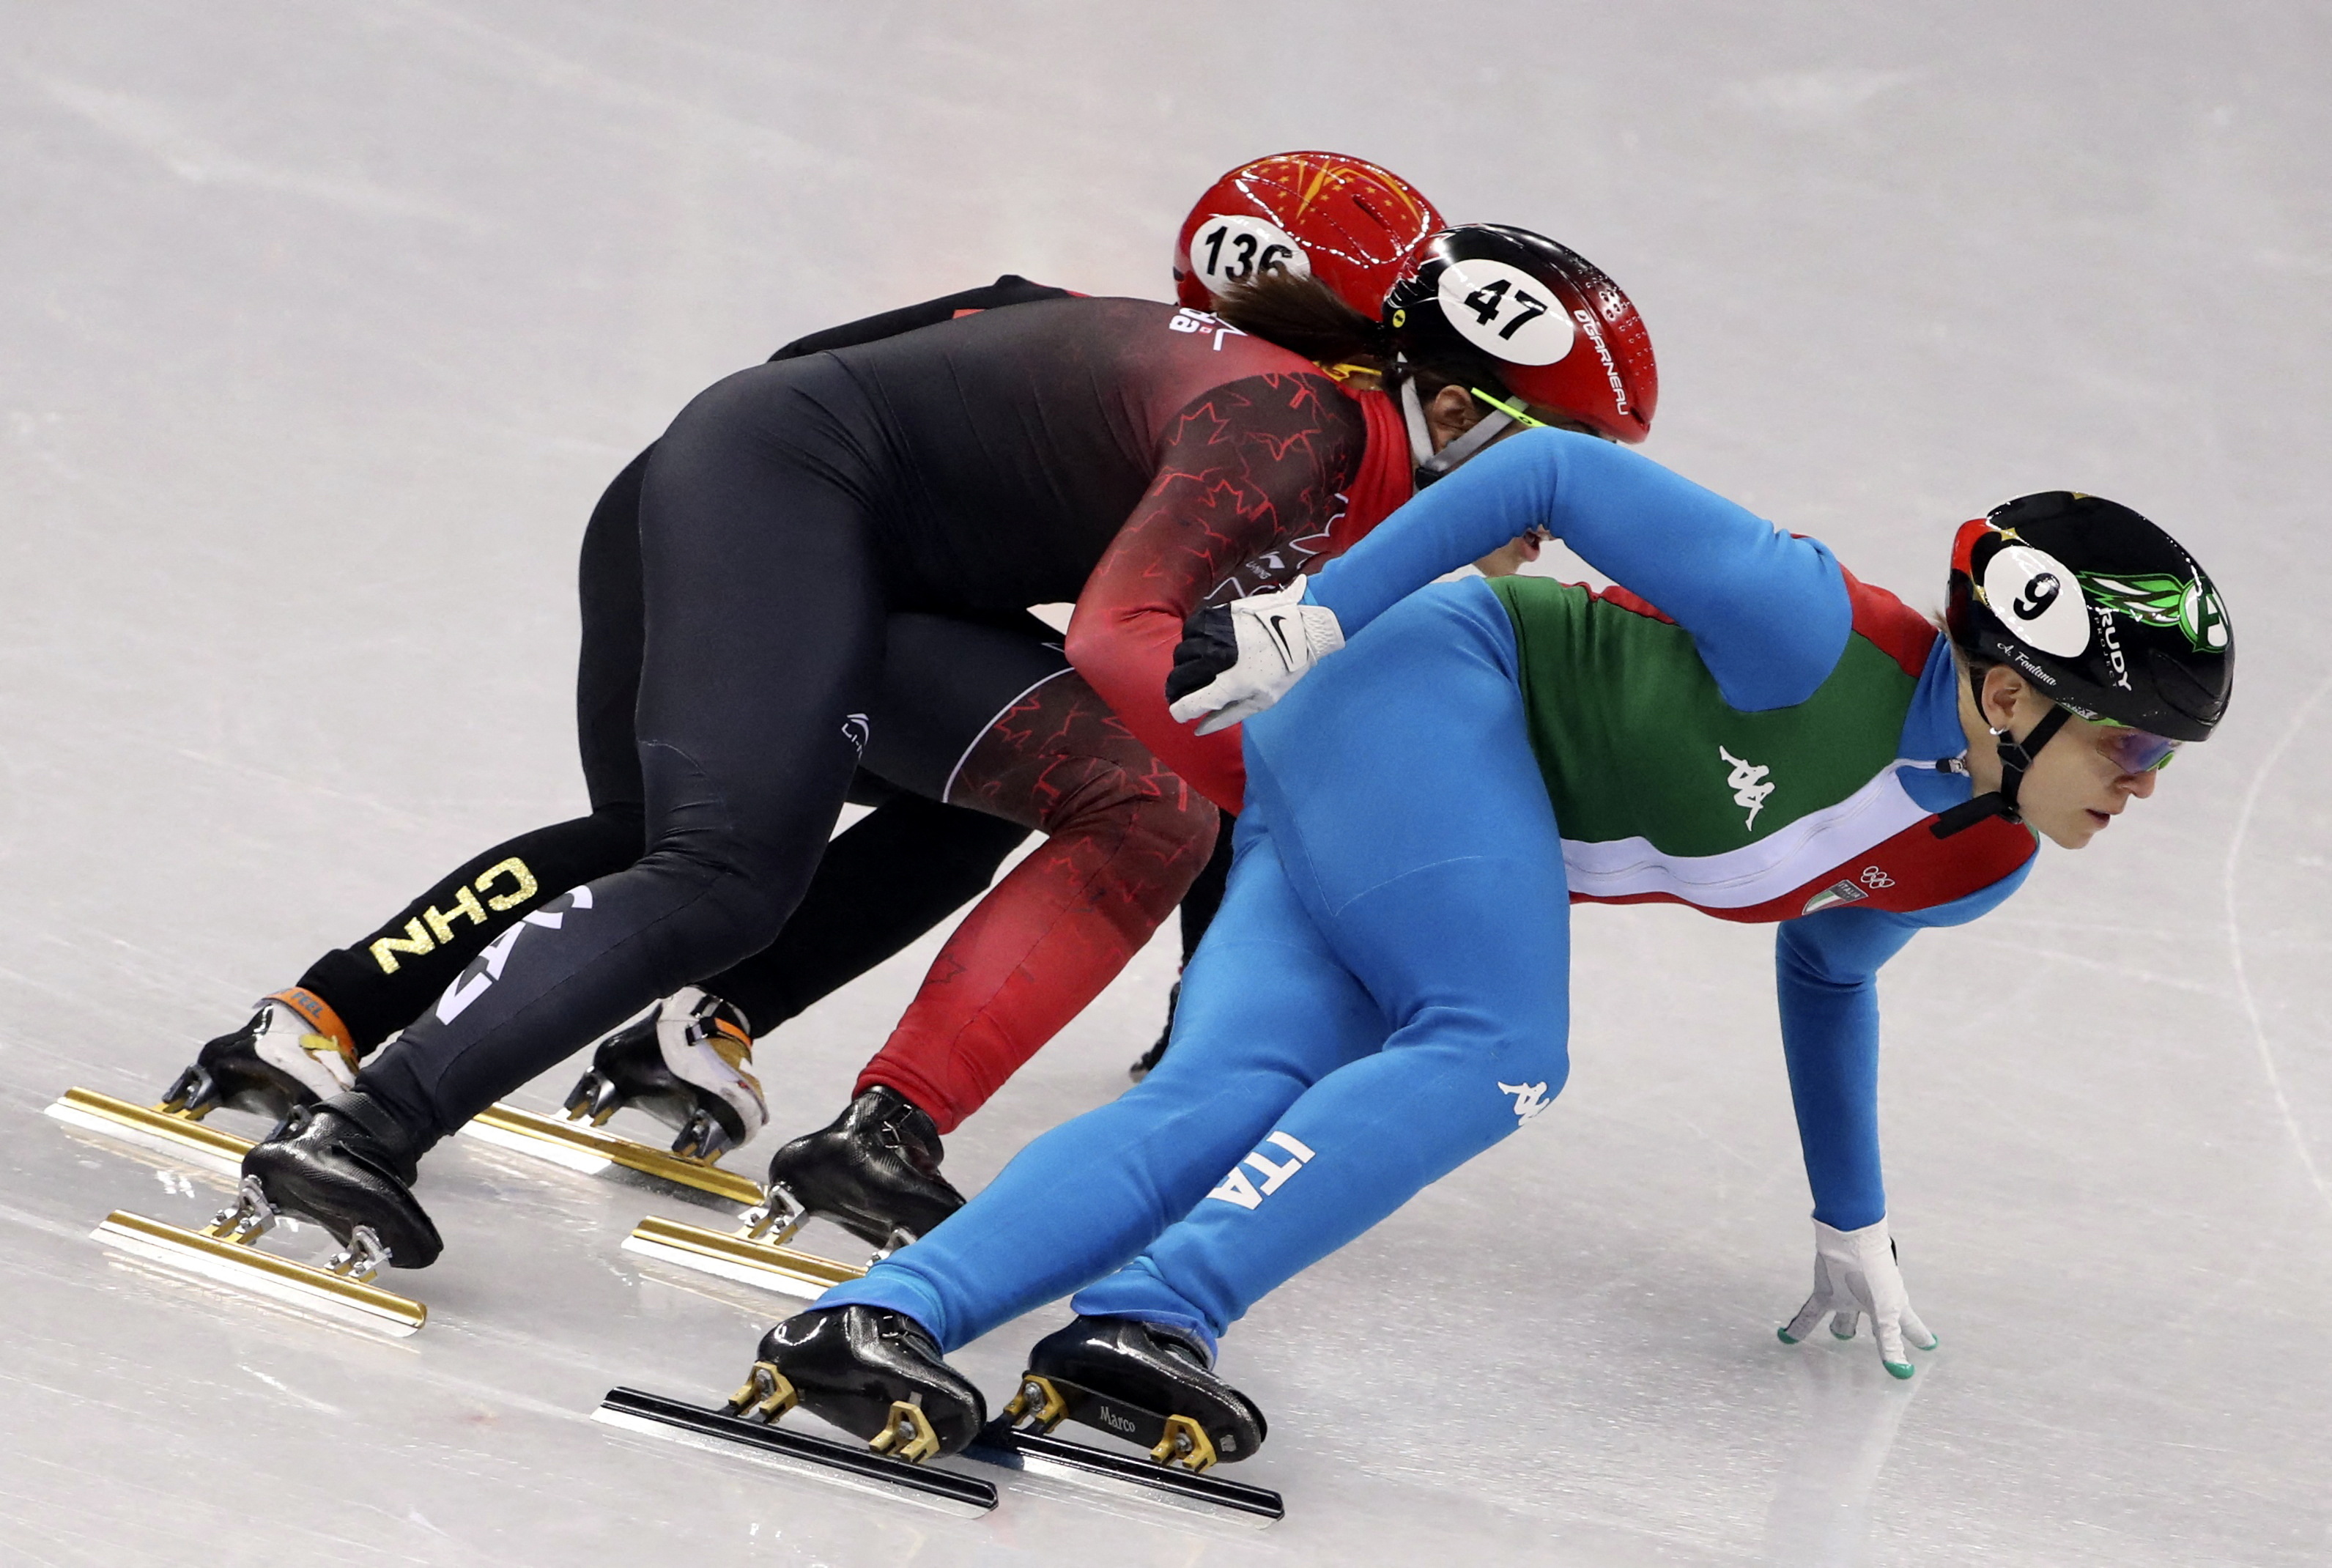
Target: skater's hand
column 1235, row 660
column 1855, row 1273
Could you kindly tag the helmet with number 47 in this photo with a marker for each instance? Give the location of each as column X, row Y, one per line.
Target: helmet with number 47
column 1343, row 220
column 1557, row 330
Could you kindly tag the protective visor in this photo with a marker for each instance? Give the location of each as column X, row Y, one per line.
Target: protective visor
column 2134, row 751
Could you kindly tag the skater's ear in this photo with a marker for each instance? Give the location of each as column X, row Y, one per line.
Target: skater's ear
column 1449, row 414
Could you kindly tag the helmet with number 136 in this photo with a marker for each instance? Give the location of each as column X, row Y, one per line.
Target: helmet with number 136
column 1343, row 220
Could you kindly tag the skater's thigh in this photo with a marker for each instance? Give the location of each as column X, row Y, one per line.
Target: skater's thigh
column 764, row 635
column 607, row 673
column 1409, row 808
column 1364, row 765
column 1267, row 1007
column 946, row 681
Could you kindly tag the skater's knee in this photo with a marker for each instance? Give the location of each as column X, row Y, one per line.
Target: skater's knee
column 747, row 909
column 1157, row 830
column 1527, row 1072
column 1172, row 827
column 1513, row 1044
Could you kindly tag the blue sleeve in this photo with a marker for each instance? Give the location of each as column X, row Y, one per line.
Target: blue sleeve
column 1826, row 972
column 1768, row 613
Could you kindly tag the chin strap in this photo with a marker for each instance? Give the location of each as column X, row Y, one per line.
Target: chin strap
column 1431, row 465
column 2015, row 757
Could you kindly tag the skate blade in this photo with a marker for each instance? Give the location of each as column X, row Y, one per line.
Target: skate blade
column 181, row 1137
column 578, row 1146
column 1125, row 1476
column 853, row 1466
column 734, row 1257
column 245, row 1268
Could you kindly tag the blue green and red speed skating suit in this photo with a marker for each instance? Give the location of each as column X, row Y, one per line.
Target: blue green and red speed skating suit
column 1385, row 992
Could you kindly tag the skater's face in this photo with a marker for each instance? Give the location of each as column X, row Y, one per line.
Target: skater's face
column 2077, row 786
column 1515, row 554
column 1449, row 414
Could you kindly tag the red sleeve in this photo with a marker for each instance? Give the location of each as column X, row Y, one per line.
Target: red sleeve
column 1243, row 469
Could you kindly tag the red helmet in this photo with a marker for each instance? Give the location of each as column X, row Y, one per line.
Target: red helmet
column 1580, row 350
column 1344, row 220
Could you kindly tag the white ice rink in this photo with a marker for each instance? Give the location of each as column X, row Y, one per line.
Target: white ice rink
column 322, row 326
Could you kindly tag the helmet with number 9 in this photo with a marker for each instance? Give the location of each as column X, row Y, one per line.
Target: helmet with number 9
column 1557, row 332
column 1343, row 220
column 2106, row 613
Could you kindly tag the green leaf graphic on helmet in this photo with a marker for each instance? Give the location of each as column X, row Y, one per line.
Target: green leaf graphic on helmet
column 2157, row 599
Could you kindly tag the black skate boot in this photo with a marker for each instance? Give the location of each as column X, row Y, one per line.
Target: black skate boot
column 350, row 1166
column 1140, row 1382
column 872, row 1372
column 876, row 1171
column 1149, row 1058
column 686, row 1065
column 271, row 1067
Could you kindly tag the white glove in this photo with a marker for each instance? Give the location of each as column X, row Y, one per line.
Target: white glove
column 1855, row 1273
column 1235, row 660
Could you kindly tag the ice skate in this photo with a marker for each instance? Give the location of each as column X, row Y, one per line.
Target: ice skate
column 1148, row 1386
column 350, row 1166
column 861, row 1368
column 875, row 1172
column 344, row 1164
column 685, row 1063
column 273, row 1065
column 277, row 1062
column 874, row 1373
column 1140, row 1382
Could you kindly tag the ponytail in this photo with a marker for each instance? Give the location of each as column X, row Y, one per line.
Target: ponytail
column 1304, row 315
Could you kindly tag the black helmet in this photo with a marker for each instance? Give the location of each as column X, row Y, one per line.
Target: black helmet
column 1555, row 329
column 2104, row 611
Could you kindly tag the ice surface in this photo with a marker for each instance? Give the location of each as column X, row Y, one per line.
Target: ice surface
column 322, row 326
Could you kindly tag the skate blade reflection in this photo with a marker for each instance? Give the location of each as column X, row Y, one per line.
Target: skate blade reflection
column 851, row 1466
column 739, row 1258
column 149, row 1127
column 579, row 1146
column 243, row 1266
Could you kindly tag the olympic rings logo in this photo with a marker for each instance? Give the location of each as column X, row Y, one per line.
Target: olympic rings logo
column 1874, row 877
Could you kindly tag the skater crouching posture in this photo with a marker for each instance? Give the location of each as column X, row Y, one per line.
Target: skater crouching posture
column 1739, row 725
column 1131, row 455
column 981, row 732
